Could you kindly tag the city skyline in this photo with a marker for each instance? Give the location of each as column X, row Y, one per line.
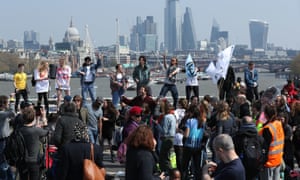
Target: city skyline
column 51, row 18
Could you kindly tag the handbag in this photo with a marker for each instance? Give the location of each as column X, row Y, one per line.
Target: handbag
column 90, row 169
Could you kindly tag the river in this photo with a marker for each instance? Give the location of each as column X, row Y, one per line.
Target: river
column 102, row 86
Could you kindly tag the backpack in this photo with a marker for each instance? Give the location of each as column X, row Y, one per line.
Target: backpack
column 253, row 155
column 15, row 149
column 121, row 153
column 33, row 81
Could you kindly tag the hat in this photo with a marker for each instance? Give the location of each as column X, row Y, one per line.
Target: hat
column 26, row 104
column 68, row 98
column 135, row 110
column 99, row 100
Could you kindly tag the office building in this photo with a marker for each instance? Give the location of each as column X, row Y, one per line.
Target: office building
column 172, row 26
column 144, row 36
column 31, row 40
column 258, row 34
column 188, row 31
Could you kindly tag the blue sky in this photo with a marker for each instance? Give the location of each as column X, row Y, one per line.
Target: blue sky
column 52, row 17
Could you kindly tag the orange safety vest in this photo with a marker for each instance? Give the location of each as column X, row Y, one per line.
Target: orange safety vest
column 276, row 147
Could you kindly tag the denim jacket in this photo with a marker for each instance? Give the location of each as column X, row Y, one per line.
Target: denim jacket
column 93, row 69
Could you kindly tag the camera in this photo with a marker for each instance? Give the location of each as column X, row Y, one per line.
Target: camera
column 38, row 110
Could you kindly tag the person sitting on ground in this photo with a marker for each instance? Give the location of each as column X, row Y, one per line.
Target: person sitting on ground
column 230, row 166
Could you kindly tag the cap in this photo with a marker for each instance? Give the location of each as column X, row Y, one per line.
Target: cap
column 135, row 110
column 68, row 98
column 26, row 104
column 100, row 100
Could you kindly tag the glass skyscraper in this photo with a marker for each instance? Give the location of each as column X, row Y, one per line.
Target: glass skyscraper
column 258, row 34
column 172, row 34
column 188, row 31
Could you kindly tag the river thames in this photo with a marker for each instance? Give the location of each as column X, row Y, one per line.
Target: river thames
column 102, row 86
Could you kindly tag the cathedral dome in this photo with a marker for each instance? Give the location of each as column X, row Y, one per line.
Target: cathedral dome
column 72, row 34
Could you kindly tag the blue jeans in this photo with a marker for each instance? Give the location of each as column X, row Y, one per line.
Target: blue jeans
column 170, row 87
column 93, row 135
column 116, row 95
column 87, row 88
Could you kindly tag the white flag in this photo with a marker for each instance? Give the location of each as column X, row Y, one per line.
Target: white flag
column 223, row 61
column 212, row 72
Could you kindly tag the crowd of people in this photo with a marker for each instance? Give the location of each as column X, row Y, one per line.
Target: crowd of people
column 153, row 128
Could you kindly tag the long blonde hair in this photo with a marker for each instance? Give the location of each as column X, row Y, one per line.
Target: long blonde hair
column 43, row 66
column 223, row 111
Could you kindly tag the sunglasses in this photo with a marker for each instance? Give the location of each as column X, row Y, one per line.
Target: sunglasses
column 139, row 115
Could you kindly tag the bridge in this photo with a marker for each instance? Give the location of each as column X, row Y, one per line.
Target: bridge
column 271, row 65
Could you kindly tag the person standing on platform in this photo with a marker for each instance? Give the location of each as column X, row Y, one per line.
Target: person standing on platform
column 226, row 85
column 88, row 75
column 170, row 80
column 118, row 84
column 94, row 122
column 63, row 77
column 251, row 80
column 192, row 84
column 20, row 84
column 141, row 75
column 42, row 83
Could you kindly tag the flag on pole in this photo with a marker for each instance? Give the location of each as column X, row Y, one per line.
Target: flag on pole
column 223, row 62
column 220, row 69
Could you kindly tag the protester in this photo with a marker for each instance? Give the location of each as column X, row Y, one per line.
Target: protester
column 140, row 161
column 94, row 121
column 33, row 139
column 20, row 84
column 273, row 135
column 87, row 78
column 72, row 155
column 141, row 75
column 229, row 167
column 226, row 84
column 118, row 85
column 194, row 140
column 81, row 111
column 109, row 118
column 62, row 79
column 41, row 74
column 6, row 117
column 65, row 125
column 140, row 99
column 168, row 125
column 170, row 80
column 251, row 80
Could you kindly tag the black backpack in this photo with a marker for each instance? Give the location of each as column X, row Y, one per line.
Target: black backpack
column 33, row 81
column 253, row 155
column 15, row 149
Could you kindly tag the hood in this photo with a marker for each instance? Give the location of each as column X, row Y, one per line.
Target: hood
column 247, row 130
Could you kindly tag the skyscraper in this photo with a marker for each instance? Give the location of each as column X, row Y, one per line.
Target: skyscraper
column 188, row 31
column 31, row 40
column 214, row 34
column 143, row 35
column 172, row 28
column 258, row 34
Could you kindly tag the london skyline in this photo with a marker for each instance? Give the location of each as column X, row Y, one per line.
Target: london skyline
column 52, row 18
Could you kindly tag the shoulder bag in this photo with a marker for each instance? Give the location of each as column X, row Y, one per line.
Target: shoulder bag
column 90, row 169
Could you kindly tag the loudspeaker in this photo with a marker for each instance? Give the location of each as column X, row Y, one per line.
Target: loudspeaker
column 52, row 71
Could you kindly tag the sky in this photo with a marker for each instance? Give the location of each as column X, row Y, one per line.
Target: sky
column 52, row 18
